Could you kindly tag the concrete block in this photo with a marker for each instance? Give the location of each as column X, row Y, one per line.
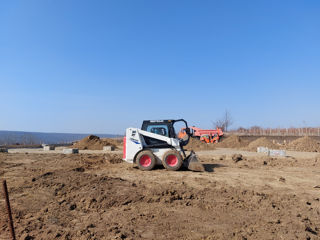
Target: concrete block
column 108, row 148
column 3, row 150
column 70, row 150
column 277, row 153
column 263, row 150
column 48, row 148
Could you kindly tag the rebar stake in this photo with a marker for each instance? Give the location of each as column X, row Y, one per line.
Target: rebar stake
column 6, row 195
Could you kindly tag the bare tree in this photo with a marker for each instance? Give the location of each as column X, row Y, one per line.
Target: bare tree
column 228, row 120
column 225, row 122
column 219, row 124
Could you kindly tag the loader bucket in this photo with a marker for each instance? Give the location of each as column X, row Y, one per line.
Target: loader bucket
column 193, row 164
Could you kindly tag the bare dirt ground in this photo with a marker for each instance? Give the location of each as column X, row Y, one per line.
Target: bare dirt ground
column 93, row 195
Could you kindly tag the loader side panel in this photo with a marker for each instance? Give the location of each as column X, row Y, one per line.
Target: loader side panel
column 133, row 144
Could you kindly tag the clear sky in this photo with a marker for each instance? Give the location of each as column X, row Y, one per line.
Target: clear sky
column 101, row 66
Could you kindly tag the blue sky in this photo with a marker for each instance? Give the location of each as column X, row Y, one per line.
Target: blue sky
column 102, row 66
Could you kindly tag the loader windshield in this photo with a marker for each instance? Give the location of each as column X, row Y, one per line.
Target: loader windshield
column 158, row 129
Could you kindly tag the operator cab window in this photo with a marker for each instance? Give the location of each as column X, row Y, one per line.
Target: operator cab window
column 158, row 129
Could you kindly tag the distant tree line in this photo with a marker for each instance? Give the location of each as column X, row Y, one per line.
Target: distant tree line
column 256, row 130
column 226, row 120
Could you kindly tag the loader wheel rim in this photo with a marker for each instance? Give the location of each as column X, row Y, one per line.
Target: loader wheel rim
column 145, row 161
column 172, row 160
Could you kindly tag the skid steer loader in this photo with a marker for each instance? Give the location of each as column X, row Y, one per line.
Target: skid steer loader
column 156, row 143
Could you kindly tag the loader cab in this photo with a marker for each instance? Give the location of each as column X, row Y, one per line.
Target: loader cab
column 162, row 127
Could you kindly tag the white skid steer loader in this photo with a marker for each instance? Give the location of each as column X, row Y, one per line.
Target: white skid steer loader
column 156, row 143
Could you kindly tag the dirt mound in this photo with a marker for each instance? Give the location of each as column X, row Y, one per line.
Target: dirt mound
column 93, row 142
column 196, row 144
column 304, row 144
column 232, row 141
column 261, row 142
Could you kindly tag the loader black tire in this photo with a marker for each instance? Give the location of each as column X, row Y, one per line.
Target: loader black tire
column 172, row 160
column 145, row 160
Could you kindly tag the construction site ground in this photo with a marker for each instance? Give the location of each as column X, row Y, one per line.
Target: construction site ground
column 94, row 195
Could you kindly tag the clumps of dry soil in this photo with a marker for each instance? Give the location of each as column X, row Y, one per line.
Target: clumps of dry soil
column 304, row 144
column 237, row 157
column 93, row 142
column 96, row 161
column 113, row 158
column 232, row 141
column 261, row 142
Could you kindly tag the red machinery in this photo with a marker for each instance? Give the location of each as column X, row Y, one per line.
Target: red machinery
column 205, row 135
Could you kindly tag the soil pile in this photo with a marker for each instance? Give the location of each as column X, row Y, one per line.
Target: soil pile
column 232, row 141
column 196, row 144
column 261, row 142
column 93, row 142
column 304, row 144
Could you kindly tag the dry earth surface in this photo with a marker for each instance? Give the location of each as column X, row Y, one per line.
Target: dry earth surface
column 94, row 195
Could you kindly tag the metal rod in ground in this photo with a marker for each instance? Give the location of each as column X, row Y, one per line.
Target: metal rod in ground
column 6, row 195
